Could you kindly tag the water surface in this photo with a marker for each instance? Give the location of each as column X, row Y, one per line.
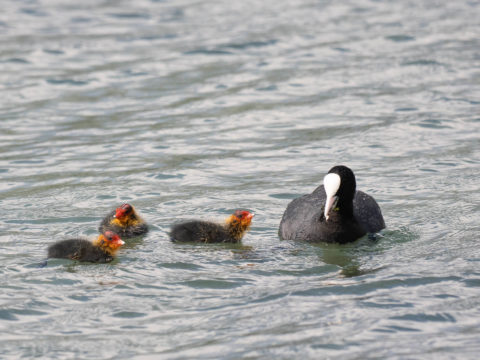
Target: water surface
column 191, row 109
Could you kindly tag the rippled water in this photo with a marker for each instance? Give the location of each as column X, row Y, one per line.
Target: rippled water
column 190, row 109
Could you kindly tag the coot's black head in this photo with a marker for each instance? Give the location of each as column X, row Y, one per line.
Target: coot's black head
column 340, row 187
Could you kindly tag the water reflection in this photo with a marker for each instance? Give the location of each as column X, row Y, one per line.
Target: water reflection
column 349, row 257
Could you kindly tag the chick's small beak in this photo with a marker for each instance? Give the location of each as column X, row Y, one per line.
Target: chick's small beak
column 117, row 243
column 248, row 218
column 119, row 213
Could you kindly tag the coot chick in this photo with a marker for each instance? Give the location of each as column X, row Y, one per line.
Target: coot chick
column 334, row 212
column 124, row 221
column 236, row 225
column 101, row 250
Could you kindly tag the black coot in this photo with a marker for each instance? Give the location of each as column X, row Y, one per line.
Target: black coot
column 334, row 212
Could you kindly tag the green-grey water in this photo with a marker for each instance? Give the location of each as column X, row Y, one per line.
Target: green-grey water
column 191, row 109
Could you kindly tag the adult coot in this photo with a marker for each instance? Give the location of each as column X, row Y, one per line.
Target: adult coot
column 236, row 225
column 334, row 212
column 124, row 221
column 101, row 250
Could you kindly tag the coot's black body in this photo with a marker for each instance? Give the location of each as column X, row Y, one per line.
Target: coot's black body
column 354, row 214
column 79, row 249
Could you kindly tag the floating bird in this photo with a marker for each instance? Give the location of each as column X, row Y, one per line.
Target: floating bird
column 334, row 212
column 124, row 221
column 101, row 250
column 236, row 225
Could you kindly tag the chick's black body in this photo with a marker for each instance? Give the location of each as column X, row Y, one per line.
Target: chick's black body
column 139, row 227
column 355, row 214
column 201, row 231
column 78, row 249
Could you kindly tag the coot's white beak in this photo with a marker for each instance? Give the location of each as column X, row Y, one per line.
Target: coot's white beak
column 329, row 204
column 331, row 183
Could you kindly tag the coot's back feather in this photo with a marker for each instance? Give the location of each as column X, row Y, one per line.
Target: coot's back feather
column 365, row 209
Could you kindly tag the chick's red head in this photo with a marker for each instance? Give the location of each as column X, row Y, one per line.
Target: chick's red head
column 112, row 240
column 244, row 217
column 124, row 210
